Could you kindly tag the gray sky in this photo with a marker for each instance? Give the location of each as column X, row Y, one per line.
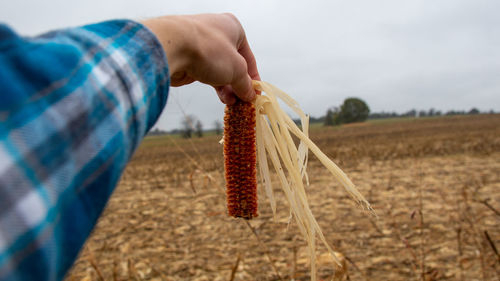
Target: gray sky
column 396, row 55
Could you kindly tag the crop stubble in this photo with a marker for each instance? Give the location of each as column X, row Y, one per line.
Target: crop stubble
column 434, row 183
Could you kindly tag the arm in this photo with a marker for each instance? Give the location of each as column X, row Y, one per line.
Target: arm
column 74, row 105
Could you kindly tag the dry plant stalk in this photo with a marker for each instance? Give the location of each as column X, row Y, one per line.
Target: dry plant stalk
column 274, row 129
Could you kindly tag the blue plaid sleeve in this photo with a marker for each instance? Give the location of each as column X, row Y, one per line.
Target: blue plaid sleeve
column 74, row 104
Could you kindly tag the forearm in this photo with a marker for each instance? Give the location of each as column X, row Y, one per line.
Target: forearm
column 74, row 104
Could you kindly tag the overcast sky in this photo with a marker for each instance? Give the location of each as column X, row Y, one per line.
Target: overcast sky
column 396, row 55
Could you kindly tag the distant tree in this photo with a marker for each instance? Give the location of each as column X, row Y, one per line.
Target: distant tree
column 422, row 113
column 328, row 118
column 455, row 112
column 411, row 113
column 155, row 132
column 474, row 111
column 431, row 112
column 199, row 129
column 353, row 110
column 176, row 132
column 383, row 114
column 332, row 117
column 188, row 126
column 218, row 127
column 313, row 119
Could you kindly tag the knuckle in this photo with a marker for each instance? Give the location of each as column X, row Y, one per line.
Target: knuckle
column 231, row 16
column 240, row 70
column 234, row 20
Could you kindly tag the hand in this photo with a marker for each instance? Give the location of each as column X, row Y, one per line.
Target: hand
column 210, row 48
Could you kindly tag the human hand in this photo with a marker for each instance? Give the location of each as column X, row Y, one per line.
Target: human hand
column 210, row 48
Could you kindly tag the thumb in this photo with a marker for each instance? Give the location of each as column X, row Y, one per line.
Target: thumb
column 243, row 88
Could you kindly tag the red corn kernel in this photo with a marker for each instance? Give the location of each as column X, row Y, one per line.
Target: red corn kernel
column 240, row 160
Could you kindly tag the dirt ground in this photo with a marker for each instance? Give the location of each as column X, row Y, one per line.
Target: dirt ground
column 434, row 184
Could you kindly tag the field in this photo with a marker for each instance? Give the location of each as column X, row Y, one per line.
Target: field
column 434, row 184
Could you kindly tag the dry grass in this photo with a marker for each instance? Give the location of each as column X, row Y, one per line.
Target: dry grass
column 434, row 183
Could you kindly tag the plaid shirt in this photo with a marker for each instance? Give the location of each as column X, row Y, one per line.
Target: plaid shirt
column 74, row 104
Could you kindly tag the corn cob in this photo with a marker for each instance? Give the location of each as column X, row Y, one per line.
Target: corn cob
column 240, row 160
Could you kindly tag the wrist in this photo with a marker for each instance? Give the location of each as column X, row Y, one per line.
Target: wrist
column 173, row 34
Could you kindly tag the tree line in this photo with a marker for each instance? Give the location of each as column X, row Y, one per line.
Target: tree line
column 190, row 127
column 426, row 113
column 350, row 111
column 356, row 110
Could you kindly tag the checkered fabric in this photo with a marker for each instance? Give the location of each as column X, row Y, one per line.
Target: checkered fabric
column 74, row 105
